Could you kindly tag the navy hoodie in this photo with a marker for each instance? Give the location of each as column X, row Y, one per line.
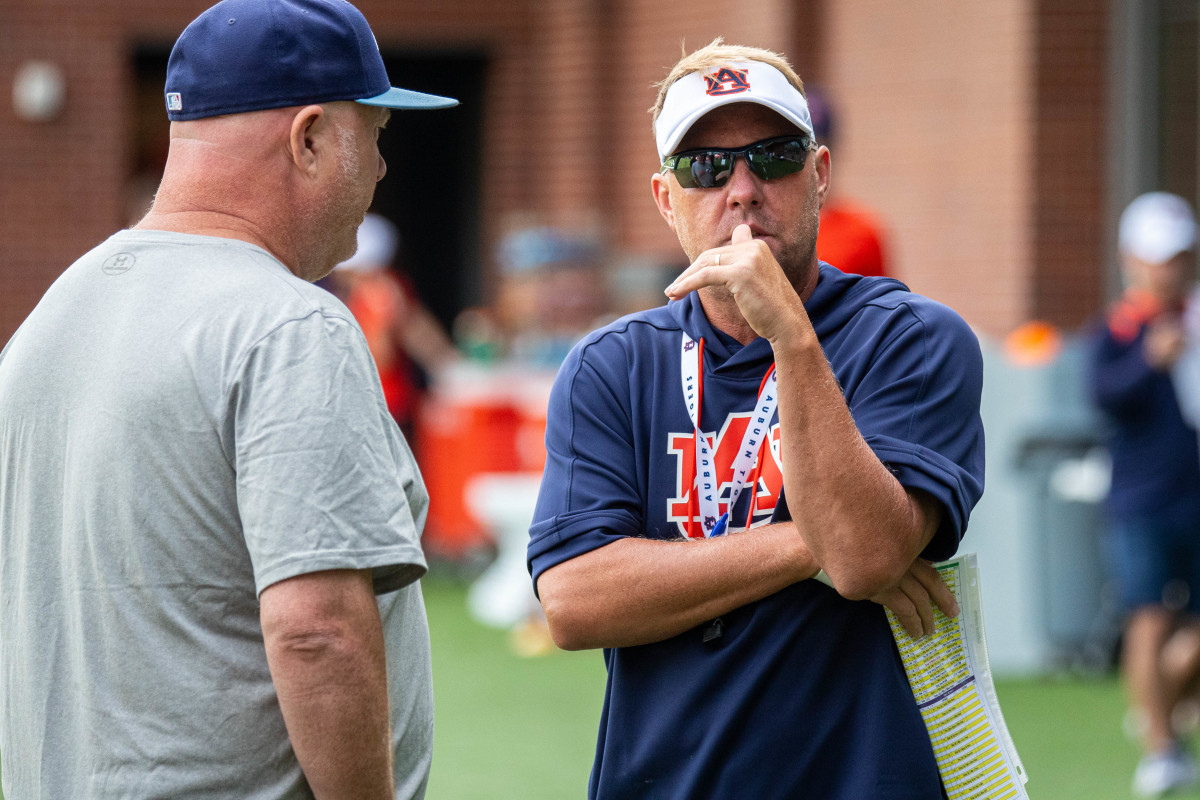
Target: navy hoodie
column 804, row 694
column 1155, row 454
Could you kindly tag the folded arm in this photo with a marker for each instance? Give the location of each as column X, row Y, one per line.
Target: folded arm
column 636, row 591
column 1122, row 378
column 866, row 530
column 855, row 519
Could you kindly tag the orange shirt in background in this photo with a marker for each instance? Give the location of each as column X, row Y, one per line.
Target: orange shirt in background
column 850, row 239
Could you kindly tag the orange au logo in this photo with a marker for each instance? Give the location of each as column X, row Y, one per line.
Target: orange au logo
column 725, row 445
column 727, row 81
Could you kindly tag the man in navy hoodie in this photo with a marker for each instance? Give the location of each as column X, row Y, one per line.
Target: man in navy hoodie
column 662, row 534
column 1141, row 360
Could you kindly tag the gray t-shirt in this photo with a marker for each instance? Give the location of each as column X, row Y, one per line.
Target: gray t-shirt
column 183, row 422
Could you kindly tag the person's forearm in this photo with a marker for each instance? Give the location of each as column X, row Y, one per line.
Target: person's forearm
column 856, row 518
column 334, row 700
column 637, row 591
column 427, row 343
column 330, row 677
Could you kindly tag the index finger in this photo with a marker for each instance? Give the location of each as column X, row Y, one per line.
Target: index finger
column 931, row 579
column 704, row 271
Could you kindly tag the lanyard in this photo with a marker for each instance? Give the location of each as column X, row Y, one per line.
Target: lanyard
column 706, row 484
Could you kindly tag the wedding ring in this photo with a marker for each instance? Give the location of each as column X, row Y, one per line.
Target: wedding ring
column 717, row 263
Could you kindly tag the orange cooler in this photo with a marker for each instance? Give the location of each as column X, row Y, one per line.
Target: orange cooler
column 476, row 421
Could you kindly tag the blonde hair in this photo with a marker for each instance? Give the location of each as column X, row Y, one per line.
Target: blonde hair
column 717, row 54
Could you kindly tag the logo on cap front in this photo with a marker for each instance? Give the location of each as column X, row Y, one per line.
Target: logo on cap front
column 727, row 81
column 174, row 101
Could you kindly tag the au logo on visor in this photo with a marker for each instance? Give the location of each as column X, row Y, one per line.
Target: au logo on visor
column 727, row 81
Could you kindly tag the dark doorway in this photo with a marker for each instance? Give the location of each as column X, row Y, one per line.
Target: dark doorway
column 150, row 130
column 431, row 190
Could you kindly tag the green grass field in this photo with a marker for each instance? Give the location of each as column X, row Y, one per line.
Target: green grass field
column 507, row 726
column 512, row 727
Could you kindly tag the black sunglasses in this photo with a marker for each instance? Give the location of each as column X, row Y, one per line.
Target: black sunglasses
column 768, row 159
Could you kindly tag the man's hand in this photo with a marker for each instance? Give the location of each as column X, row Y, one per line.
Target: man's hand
column 1164, row 343
column 913, row 598
column 747, row 269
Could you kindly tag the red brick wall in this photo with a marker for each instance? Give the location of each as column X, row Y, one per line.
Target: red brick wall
column 935, row 107
column 1071, row 130
column 43, row 225
column 973, row 128
column 977, row 131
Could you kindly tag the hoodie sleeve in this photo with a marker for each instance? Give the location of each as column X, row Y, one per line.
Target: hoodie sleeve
column 1122, row 381
column 916, row 403
column 589, row 495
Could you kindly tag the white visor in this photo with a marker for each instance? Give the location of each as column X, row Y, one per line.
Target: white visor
column 697, row 93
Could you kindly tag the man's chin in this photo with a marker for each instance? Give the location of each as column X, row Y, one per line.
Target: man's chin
column 317, row 269
column 717, row 294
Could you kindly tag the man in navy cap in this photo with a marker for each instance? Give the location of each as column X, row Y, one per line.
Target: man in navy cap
column 209, row 524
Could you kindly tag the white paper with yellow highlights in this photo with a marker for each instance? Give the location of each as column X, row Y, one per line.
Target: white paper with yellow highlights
column 952, row 682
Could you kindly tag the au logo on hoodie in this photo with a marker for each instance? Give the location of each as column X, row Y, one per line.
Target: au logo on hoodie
column 684, row 512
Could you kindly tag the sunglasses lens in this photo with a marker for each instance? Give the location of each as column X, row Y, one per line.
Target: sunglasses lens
column 776, row 159
column 705, row 170
column 708, row 169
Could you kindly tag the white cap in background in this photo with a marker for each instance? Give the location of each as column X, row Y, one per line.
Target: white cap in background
column 1156, row 227
column 377, row 242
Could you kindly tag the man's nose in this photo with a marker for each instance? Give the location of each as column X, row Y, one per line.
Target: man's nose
column 744, row 187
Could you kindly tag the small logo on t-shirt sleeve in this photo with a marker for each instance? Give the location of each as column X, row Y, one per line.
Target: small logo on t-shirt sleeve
column 174, row 101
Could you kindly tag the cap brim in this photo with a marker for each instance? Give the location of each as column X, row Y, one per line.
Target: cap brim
column 405, row 98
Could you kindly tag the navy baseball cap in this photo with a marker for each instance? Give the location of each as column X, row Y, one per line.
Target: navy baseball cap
column 251, row 55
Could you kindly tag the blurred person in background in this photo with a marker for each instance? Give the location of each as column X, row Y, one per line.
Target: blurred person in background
column 661, row 533
column 850, row 237
column 209, row 525
column 409, row 345
column 1154, row 502
column 552, row 292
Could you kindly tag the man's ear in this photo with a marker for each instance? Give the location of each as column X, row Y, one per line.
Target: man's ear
column 822, row 167
column 660, row 187
column 304, row 143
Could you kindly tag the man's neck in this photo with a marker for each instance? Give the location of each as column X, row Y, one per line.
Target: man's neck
column 724, row 315
column 209, row 223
